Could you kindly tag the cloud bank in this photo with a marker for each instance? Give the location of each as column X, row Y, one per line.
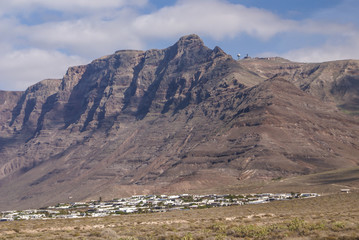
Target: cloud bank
column 41, row 39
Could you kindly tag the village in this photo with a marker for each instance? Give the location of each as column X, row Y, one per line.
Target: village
column 145, row 204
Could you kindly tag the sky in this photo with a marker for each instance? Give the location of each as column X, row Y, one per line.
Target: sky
column 40, row 39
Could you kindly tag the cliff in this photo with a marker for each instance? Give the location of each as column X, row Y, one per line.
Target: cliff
column 182, row 118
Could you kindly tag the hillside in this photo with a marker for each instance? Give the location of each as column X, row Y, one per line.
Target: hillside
column 313, row 218
column 174, row 120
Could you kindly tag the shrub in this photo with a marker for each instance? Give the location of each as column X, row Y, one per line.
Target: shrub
column 188, row 236
column 218, row 227
column 251, row 231
column 296, row 225
column 337, row 226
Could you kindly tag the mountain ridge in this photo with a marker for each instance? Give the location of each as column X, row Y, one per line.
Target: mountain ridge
column 182, row 118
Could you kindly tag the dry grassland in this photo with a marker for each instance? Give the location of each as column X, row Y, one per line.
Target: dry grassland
column 328, row 217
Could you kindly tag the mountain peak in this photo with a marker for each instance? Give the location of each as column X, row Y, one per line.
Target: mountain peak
column 184, row 118
column 189, row 40
column 190, row 37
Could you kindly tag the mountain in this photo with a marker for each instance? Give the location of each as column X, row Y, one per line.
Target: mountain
column 336, row 81
column 174, row 120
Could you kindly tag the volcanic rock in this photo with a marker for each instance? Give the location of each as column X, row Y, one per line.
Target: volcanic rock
column 173, row 120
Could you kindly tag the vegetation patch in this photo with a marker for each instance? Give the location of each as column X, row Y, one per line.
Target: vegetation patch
column 320, row 218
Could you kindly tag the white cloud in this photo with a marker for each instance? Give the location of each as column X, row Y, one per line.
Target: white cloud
column 217, row 19
column 310, row 26
column 86, row 29
column 92, row 36
column 73, row 6
column 22, row 68
column 332, row 50
column 86, row 37
column 30, row 53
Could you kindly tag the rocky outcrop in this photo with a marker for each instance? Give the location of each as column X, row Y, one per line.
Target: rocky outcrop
column 335, row 81
column 181, row 118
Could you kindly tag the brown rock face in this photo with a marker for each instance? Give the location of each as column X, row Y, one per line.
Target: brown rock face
column 186, row 117
column 335, row 81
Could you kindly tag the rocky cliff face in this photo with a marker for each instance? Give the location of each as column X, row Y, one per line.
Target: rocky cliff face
column 181, row 118
column 335, row 81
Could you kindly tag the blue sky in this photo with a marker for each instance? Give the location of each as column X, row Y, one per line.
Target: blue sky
column 41, row 38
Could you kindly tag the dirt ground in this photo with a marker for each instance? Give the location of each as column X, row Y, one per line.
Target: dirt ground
column 333, row 216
